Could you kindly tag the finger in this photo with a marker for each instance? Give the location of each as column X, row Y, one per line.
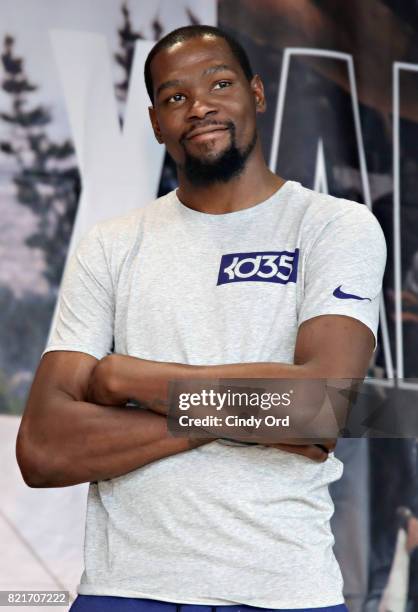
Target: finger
column 308, row 450
column 328, row 445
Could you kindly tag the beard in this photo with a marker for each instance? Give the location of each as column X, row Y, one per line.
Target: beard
column 228, row 165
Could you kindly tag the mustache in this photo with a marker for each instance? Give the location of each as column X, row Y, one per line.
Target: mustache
column 203, row 124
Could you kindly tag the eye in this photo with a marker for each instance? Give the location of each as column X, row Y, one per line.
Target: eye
column 222, row 84
column 175, row 98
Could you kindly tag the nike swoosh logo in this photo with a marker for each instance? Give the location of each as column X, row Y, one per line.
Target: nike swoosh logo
column 347, row 296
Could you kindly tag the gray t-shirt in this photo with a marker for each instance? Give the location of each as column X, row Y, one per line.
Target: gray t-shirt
column 223, row 523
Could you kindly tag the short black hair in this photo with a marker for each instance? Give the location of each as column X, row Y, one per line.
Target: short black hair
column 194, row 31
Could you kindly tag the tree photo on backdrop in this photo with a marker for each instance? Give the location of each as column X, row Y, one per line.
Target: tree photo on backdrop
column 42, row 176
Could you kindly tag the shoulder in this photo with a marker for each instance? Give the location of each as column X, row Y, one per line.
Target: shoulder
column 111, row 244
column 327, row 215
column 322, row 208
column 119, row 233
column 129, row 225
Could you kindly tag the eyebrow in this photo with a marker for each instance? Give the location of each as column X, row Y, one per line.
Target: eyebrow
column 218, row 68
column 178, row 82
column 167, row 84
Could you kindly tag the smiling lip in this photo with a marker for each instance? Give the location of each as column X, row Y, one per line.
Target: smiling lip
column 205, row 132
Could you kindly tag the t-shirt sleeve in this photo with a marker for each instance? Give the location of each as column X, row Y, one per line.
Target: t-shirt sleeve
column 85, row 317
column 344, row 268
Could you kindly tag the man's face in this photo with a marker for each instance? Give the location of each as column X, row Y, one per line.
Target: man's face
column 205, row 108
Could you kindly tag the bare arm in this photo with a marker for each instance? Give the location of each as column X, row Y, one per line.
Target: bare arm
column 64, row 440
column 327, row 346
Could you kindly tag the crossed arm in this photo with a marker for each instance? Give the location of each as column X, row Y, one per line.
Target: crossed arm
column 76, row 428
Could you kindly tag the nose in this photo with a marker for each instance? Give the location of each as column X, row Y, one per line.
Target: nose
column 200, row 107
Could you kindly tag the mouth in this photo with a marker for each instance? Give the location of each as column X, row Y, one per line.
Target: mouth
column 208, row 133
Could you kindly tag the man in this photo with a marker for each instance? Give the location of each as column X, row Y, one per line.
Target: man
column 237, row 274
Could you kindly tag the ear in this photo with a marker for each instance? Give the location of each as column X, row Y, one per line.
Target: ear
column 257, row 88
column 155, row 125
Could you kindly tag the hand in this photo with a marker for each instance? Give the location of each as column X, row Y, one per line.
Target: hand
column 410, row 300
column 412, row 534
column 408, row 316
column 311, row 451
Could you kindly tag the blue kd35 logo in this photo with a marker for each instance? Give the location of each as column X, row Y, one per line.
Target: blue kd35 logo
column 267, row 267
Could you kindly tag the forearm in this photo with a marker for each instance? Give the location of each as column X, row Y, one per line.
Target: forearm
column 312, row 417
column 255, row 370
column 85, row 442
column 151, row 385
column 148, row 382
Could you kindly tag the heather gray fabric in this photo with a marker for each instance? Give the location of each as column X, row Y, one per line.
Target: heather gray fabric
column 224, row 523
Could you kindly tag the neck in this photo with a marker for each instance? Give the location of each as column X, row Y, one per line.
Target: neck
column 254, row 185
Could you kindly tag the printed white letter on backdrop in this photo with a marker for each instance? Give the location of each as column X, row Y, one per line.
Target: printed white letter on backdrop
column 120, row 170
column 320, row 173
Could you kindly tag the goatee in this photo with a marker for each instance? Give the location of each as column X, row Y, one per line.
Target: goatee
column 230, row 164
